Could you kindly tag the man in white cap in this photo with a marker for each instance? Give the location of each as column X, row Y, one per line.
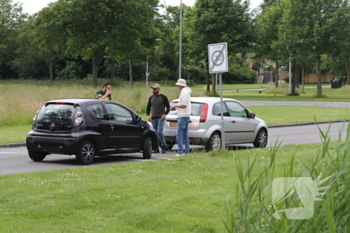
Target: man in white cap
column 159, row 104
column 184, row 113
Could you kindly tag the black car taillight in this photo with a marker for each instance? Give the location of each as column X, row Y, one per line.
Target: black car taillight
column 78, row 118
column 204, row 113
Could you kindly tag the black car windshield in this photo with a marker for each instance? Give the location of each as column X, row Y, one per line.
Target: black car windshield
column 196, row 108
column 55, row 117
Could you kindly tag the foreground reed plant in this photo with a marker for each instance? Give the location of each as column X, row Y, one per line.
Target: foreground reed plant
column 314, row 195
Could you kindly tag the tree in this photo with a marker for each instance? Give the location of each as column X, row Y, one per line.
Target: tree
column 30, row 59
column 92, row 26
column 11, row 18
column 48, row 35
column 214, row 21
column 310, row 27
column 339, row 57
column 268, row 44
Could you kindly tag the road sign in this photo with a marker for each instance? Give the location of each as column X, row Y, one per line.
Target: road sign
column 217, row 57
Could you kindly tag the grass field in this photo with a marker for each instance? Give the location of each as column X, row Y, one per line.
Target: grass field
column 17, row 112
column 197, row 193
column 21, row 99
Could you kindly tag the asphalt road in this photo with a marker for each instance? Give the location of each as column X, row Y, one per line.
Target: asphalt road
column 298, row 103
column 259, row 89
column 16, row 160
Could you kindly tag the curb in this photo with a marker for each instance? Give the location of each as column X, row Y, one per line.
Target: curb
column 22, row 144
column 307, row 123
column 11, row 145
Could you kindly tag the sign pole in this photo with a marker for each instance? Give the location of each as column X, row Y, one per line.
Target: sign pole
column 180, row 42
column 222, row 117
column 290, row 76
column 218, row 63
column 147, row 70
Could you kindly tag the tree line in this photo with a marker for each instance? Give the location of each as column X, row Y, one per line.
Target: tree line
column 72, row 39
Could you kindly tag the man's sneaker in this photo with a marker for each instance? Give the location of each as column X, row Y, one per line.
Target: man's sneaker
column 179, row 155
column 163, row 149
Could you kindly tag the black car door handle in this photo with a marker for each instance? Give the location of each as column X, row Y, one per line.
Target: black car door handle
column 233, row 121
column 112, row 126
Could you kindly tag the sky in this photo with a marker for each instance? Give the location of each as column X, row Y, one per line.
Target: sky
column 33, row 6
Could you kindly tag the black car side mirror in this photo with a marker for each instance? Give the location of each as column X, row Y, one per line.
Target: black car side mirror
column 137, row 119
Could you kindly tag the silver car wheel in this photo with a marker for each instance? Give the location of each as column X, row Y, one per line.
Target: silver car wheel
column 261, row 139
column 215, row 142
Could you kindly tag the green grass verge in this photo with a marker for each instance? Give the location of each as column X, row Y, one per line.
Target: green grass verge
column 11, row 134
column 184, row 195
column 280, row 114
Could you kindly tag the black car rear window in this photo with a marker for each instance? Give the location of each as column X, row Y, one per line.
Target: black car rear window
column 196, row 109
column 55, row 117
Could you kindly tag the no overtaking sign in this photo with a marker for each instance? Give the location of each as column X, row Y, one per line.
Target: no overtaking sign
column 217, row 57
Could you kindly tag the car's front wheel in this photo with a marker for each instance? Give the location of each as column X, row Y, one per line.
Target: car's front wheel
column 147, row 148
column 36, row 156
column 86, row 153
column 214, row 142
column 261, row 139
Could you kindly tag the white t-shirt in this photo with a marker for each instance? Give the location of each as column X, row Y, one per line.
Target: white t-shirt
column 185, row 99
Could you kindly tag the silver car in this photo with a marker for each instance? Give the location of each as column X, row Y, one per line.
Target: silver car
column 241, row 126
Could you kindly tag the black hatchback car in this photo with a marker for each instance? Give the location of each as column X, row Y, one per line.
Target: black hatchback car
column 87, row 128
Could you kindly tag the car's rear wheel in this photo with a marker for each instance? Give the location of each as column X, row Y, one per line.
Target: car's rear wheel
column 261, row 139
column 214, row 142
column 86, row 153
column 147, row 148
column 36, row 156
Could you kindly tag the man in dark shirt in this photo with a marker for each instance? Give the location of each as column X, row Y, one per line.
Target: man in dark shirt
column 159, row 104
column 105, row 92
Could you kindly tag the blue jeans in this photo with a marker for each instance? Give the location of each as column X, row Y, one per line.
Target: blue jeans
column 158, row 125
column 182, row 135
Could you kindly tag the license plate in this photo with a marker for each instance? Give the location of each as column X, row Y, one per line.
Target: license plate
column 173, row 124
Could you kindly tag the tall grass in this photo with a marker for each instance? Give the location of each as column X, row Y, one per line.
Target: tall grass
column 250, row 208
column 20, row 99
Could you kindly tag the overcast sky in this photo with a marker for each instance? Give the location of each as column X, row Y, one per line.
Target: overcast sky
column 33, row 6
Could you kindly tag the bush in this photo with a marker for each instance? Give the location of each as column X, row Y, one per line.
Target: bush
column 71, row 71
